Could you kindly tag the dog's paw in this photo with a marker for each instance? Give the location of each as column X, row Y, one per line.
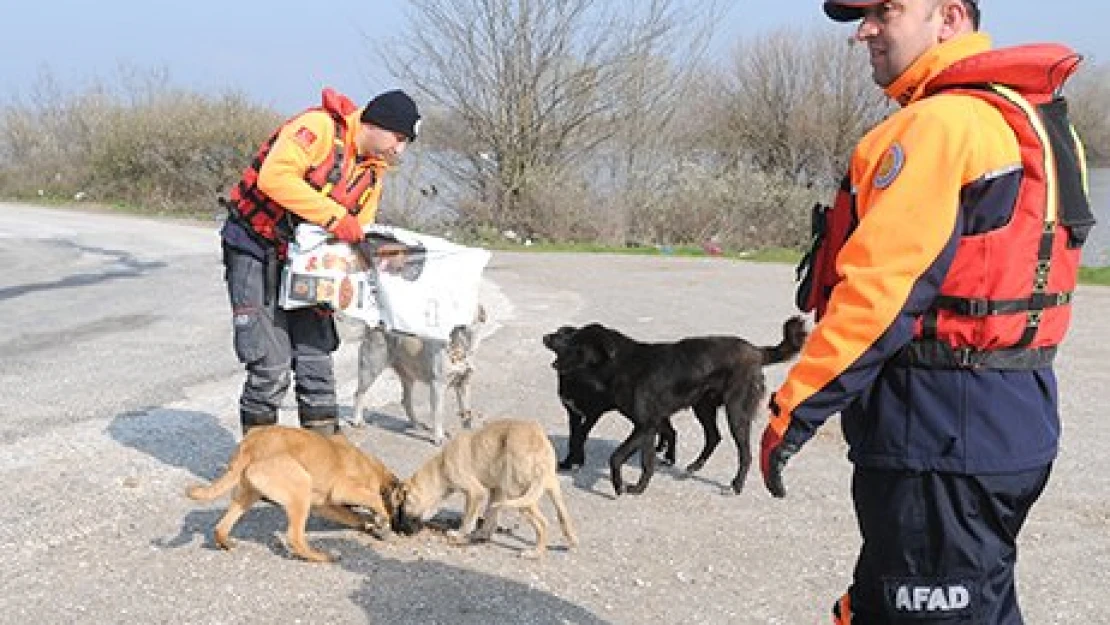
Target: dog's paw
column 569, row 466
column 223, row 541
column 315, row 555
column 419, row 427
column 455, row 537
column 383, row 533
column 531, row 554
column 468, row 419
column 358, row 415
column 738, row 487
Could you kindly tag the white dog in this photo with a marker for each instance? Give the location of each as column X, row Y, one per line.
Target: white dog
column 440, row 365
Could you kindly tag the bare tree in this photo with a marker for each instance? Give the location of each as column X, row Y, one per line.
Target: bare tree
column 794, row 103
column 1088, row 94
column 524, row 91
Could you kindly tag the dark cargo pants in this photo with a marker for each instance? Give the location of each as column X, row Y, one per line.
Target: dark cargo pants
column 938, row 548
column 274, row 343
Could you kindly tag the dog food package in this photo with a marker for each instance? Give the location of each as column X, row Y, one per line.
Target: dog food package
column 427, row 285
column 324, row 272
column 409, row 282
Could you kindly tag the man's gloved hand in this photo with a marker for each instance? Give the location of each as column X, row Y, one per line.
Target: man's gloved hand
column 773, row 454
column 348, row 229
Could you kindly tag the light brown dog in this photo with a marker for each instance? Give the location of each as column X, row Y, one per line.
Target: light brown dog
column 508, row 463
column 304, row 471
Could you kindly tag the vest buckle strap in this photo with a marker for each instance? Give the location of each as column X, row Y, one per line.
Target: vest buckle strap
column 937, row 355
column 964, row 357
column 1034, row 318
column 978, row 307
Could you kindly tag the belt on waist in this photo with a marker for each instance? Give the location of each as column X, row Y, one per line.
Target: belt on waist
column 936, row 355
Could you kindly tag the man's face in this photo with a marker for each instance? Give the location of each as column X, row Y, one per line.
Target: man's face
column 898, row 32
column 380, row 143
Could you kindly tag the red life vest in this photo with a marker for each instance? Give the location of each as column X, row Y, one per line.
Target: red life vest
column 269, row 219
column 1006, row 299
column 831, row 227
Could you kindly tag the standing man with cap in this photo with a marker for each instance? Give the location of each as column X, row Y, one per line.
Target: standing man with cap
column 324, row 166
column 950, row 258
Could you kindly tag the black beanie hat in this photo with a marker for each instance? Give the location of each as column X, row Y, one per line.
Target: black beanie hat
column 393, row 110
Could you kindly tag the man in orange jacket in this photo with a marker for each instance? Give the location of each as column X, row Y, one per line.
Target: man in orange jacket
column 323, row 166
column 951, row 290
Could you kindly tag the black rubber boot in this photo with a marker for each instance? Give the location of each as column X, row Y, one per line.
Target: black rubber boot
column 326, row 426
column 252, row 420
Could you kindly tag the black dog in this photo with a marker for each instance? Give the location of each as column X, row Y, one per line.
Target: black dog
column 601, row 369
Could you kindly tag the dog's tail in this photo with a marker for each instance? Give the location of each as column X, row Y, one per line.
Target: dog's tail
column 530, row 498
column 225, row 482
column 794, row 335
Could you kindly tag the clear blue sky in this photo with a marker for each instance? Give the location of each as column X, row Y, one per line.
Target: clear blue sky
column 281, row 53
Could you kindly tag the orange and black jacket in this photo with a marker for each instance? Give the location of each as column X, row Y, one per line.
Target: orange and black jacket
column 953, row 282
column 308, row 170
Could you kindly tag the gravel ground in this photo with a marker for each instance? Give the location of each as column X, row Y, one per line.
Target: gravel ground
column 94, row 527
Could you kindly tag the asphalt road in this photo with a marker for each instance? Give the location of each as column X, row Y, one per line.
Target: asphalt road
column 118, row 388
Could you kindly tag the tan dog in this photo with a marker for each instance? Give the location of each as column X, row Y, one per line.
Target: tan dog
column 301, row 471
column 510, row 462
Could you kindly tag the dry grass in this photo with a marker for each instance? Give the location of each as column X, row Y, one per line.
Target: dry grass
column 169, row 152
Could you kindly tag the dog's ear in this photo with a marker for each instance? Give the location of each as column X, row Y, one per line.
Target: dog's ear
column 597, row 343
column 594, row 353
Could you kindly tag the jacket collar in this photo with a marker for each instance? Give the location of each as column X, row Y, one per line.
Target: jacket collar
column 910, row 86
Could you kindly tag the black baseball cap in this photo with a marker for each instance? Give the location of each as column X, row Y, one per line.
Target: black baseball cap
column 852, row 10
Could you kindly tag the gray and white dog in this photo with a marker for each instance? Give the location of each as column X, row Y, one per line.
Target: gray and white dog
column 439, row 364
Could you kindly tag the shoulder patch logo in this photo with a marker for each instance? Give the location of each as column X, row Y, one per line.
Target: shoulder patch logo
column 304, row 137
column 890, row 166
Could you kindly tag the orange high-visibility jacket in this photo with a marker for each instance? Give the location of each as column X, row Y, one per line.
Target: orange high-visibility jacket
column 957, row 256
column 310, row 167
